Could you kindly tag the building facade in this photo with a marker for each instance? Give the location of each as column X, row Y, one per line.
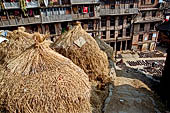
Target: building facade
column 123, row 24
column 116, row 22
column 150, row 15
column 54, row 16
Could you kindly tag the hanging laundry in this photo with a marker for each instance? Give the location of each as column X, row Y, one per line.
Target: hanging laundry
column 54, row 0
column 30, row 12
column 46, row 2
column 75, row 10
column 167, row 18
column 3, row 39
column 85, row 9
column 4, row 33
column 16, row 13
column 80, row 10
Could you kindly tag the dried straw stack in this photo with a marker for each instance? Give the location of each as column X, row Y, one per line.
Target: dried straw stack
column 42, row 81
column 82, row 49
column 19, row 40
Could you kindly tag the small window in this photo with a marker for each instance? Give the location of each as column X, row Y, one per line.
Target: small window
column 120, row 20
column 140, row 47
column 143, row 14
column 112, row 6
column 52, row 29
column 131, row 5
column 152, row 26
column 103, row 21
column 142, row 2
column 150, row 36
column 90, row 25
column 129, row 18
column 112, row 21
column 128, row 32
column 112, row 34
column 117, row 1
column 141, row 27
column 80, row 10
column 140, row 39
column 103, row 35
column 152, row 1
column 120, row 33
column 112, row 44
column 153, row 13
column 91, row 9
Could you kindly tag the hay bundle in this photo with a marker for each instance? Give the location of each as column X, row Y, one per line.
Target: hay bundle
column 104, row 47
column 42, row 81
column 19, row 40
column 83, row 50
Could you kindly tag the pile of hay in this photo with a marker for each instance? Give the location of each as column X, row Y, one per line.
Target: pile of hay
column 19, row 40
column 82, row 49
column 98, row 98
column 42, row 81
column 104, row 47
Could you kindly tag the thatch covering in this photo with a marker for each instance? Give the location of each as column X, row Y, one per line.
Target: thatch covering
column 82, row 49
column 42, row 81
column 19, row 40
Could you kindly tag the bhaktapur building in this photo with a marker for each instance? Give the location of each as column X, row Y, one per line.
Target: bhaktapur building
column 123, row 24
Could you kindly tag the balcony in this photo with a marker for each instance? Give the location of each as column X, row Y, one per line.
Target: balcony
column 4, row 20
column 118, row 11
column 149, row 19
column 11, row 5
column 19, row 21
column 84, row 1
column 5, row 23
column 56, row 18
column 32, row 4
column 84, row 16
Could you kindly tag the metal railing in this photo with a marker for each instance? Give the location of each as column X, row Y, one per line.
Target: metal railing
column 81, row 16
column 11, row 5
column 118, row 11
column 84, row 1
column 56, row 18
column 32, row 4
column 148, row 19
column 20, row 21
column 15, row 5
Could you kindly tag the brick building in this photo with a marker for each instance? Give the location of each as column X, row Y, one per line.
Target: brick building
column 124, row 24
column 116, row 22
column 54, row 16
column 145, row 35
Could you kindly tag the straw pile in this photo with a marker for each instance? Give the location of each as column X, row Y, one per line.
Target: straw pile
column 104, row 47
column 82, row 49
column 98, row 98
column 19, row 40
column 42, row 81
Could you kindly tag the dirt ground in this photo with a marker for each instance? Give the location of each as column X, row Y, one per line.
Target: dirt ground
column 134, row 92
column 131, row 95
